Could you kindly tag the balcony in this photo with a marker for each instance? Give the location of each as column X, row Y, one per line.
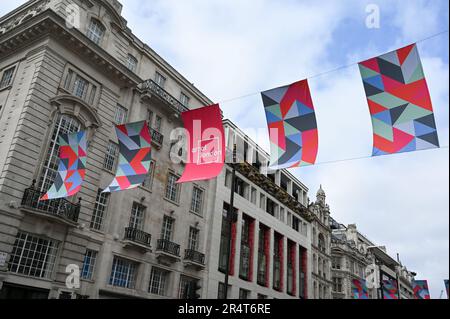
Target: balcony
column 194, row 258
column 157, row 138
column 152, row 91
column 137, row 238
column 167, row 250
column 59, row 210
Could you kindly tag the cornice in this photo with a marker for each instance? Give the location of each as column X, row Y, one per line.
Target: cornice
column 50, row 24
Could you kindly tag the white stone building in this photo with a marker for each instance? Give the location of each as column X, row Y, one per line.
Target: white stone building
column 54, row 78
column 271, row 254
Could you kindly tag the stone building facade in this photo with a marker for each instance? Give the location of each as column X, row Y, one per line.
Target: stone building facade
column 320, row 247
column 54, row 78
column 271, row 245
column 354, row 256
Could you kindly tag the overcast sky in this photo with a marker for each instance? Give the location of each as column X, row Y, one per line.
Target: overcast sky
column 230, row 48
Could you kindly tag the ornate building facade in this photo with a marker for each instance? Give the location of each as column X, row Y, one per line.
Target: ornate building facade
column 320, row 247
column 58, row 77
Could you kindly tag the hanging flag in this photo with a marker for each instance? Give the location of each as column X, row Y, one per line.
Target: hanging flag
column 71, row 168
column 420, row 288
column 359, row 289
column 292, row 126
column 399, row 102
column 390, row 289
column 134, row 156
column 206, row 143
column 446, row 288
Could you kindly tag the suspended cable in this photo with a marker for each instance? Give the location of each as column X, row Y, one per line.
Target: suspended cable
column 329, row 71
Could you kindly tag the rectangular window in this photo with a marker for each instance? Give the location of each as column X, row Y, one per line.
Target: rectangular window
column 282, row 216
column 167, row 228
column 221, row 291
column 197, row 201
column 277, row 261
column 131, row 63
column 184, row 282
column 246, row 249
column 194, row 237
column 160, row 79
column 101, row 203
column 95, row 31
column 80, row 87
column 33, row 256
column 123, row 273
column 263, row 256
column 150, row 118
column 253, row 196
column 172, row 188
column 262, row 202
column 7, row 77
column 90, row 258
column 148, row 182
column 110, row 157
column 158, row 123
column 295, row 223
column 121, row 115
column 337, row 284
column 158, row 281
column 137, row 216
column 244, row 294
column 184, row 99
column 223, row 250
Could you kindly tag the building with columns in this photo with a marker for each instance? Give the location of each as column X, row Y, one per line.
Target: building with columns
column 271, row 232
column 321, row 247
column 60, row 77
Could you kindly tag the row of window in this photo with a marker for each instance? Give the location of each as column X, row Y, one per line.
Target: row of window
column 35, row 256
column 7, row 77
column 247, row 259
column 250, row 193
column 138, row 211
column 96, row 32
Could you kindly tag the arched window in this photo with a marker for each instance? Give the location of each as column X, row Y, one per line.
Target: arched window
column 96, row 31
column 64, row 125
column 131, row 63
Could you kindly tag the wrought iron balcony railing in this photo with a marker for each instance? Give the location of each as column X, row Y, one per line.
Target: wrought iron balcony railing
column 152, row 87
column 168, row 247
column 157, row 137
column 61, row 208
column 194, row 256
column 138, row 236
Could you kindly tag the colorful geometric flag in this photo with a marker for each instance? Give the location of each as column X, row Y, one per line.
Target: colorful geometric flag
column 71, row 168
column 399, row 102
column 446, row 288
column 420, row 288
column 359, row 289
column 292, row 126
column 390, row 289
column 206, row 143
column 134, row 156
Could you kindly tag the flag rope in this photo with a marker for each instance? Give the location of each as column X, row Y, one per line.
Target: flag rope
column 365, row 157
column 329, row 71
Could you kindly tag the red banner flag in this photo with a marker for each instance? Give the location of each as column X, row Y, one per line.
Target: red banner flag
column 206, row 143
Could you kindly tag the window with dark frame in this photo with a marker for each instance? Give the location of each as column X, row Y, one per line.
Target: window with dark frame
column 7, row 77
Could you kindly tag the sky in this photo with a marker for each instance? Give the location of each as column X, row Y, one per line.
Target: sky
column 234, row 48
